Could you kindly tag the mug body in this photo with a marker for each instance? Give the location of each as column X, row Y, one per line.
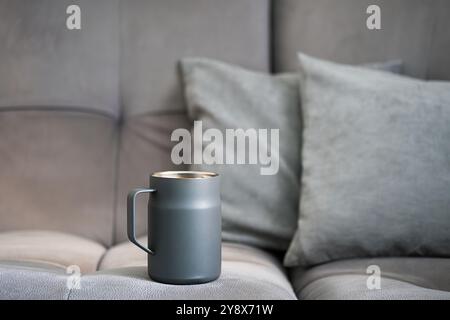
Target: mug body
column 184, row 227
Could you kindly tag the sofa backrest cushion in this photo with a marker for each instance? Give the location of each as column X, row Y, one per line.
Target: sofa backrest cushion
column 412, row 30
column 58, row 113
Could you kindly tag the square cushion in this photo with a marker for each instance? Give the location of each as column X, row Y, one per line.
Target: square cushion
column 50, row 177
column 259, row 200
column 376, row 170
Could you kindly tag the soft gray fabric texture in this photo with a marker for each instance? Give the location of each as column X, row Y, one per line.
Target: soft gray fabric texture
column 415, row 30
column 401, row 278
column 376, row 170
column 153, row 37
column 58, row 159
column 247, row 273
column 32, row 281
column 124, row 254
column 51, row 247
column 145, row 148
column 127, row 254
column 242, row 282
column 429, row 273
column 57, row 172
column 44, row 65
column 439, row 59
column 59, row 102
column 156, row 34
column 353, row 287
column 256, row 209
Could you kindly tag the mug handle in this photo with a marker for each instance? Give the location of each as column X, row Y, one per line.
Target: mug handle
column 131, row 205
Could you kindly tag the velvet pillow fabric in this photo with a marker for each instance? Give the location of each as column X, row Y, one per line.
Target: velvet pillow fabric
column 376, row 165
column 257, row 209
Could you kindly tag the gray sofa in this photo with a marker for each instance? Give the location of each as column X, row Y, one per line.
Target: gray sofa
column 86, row 115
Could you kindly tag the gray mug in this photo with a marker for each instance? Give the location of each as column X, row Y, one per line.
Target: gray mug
column 184, row 226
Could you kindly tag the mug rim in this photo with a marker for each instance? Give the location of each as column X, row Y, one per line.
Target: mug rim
column 189, row 175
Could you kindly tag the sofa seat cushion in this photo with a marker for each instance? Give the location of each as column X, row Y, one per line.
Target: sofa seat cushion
column 32, row 280
column 247, row 273
column 400, row 278
column 54, row 248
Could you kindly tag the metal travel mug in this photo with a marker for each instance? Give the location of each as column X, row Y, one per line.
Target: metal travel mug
column 184, row 226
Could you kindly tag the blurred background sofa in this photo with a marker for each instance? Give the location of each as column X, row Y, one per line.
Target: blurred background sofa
column 86, row 115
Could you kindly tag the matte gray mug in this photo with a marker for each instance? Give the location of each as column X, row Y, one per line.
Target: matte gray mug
column 184, row 226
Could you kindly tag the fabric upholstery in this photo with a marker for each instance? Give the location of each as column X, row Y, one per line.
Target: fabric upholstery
column 32, row 281
column 375, row 163
column 124, row 254
column 250, row 282
column 44, row 65
column 353, row 288
column 59, row 102
column 401, row 278
column 61, row 95
column 257, row 209
column 145, row 148
column 51, row 177
column 156, row 34
column 247, row 273
column 413, row 30
column 53, row 248
column 439, row 59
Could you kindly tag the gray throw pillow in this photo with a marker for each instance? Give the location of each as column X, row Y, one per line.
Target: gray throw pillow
column 257, row 209
column 376, row 165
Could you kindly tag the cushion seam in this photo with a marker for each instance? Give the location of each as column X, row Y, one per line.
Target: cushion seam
column 78, row 109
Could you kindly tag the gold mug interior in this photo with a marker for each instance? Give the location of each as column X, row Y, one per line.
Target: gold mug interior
column 184, row 174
